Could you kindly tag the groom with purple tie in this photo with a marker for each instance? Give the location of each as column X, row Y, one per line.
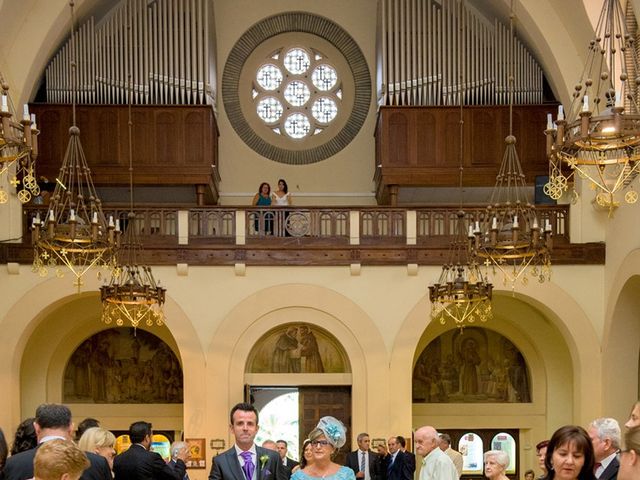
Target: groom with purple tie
column 245, row 460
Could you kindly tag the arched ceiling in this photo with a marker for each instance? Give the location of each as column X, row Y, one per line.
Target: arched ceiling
column 31, row 31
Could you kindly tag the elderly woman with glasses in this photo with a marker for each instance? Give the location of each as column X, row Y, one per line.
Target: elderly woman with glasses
column 326, row 439
column 495, row 465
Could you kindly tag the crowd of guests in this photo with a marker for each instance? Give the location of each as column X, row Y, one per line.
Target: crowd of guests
column 43, row 449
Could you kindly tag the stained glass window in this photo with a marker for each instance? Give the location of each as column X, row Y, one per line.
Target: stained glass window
column 297, row 92
column 270, row 109
column 269, row 77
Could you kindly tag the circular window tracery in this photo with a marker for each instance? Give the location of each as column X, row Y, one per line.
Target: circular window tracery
column 317, row 52
column 305, row 97
column 269, row 77
column 270, row 109
column 296, row 61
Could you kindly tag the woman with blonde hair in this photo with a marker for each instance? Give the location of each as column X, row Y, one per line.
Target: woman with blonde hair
column 630, row 457
column 100, row 441
column 329, row 436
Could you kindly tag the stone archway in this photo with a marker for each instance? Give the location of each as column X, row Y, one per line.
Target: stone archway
column 32, row 341
column 315, row 305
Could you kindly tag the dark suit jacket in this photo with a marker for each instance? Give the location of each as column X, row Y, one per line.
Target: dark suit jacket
column 611, row 472
column 226, row 466
column 287, row 465
column 353, row 462
column 401, row 469
column 137, row 463
column 172, row 463
column 20, row 467
column 411, row 458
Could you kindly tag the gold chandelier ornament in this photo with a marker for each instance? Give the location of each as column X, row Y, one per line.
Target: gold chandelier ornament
column 461, row 293
column 512, row 237
column 75, row 235
column 18, row 150
column 599, row 138
column 132, row 294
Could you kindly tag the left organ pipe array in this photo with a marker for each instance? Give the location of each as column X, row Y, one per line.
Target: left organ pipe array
column 163, row 46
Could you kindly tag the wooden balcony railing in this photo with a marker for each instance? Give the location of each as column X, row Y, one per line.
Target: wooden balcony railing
column 306, row 235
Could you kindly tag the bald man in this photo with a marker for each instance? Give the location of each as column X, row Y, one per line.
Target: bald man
column 436, row 465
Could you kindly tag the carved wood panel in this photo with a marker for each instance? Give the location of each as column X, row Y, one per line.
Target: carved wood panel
column 419, row 146
column 164, row 138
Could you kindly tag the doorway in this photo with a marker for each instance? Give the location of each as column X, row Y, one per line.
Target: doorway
column 291, row 413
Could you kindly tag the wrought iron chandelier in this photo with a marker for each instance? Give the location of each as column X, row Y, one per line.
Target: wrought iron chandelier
column 132, row 294
column 75, row 233
column 18, row 150
column 461, row 293
column 511, row 236
column 599, row 138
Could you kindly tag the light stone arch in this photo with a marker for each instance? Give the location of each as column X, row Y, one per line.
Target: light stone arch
column 545, row 24
column 621, row 340
column 258, row 313
column 553, row 304
column 38, row 302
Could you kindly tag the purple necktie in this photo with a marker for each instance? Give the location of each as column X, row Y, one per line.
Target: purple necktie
column 248, row 466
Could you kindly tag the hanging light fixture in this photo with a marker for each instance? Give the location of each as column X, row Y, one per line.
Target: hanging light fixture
column 75, row 233
column 461, row 293
column 132, row 293
column 512, row 237
column 18, row 150
column 598, row 137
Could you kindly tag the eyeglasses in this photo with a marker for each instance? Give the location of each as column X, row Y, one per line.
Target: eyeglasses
column 322, row 443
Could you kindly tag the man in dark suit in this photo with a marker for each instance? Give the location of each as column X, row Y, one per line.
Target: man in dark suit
column 52, row 421
column 245, row 460
column 287, row 463
column 605, row 437
column 138, row 463
column 397, row 462
column 363, row 462
column 411, row 457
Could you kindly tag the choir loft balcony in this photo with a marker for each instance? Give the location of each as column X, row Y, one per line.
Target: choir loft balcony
column 306, row 235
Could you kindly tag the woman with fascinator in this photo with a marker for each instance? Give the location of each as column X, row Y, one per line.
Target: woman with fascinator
column 326, row 439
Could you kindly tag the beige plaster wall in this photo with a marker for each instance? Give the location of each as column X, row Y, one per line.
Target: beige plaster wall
column 584, row 323
column 49, row 349
column 345, row 178
column 380, row 317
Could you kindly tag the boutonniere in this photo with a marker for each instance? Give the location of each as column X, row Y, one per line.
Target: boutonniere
column 263, row 460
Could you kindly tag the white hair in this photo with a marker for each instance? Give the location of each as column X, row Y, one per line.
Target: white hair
column 607, row 428
column 500, row 455
column 177, row 447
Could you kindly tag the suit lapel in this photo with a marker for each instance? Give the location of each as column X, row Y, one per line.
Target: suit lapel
column 234, row 463
column 259, row 453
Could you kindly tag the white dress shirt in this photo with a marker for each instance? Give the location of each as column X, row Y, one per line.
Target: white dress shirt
column 367, row 475
column 604, row 464
column 254, row 457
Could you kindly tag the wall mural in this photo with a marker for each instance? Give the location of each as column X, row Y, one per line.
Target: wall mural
column 116, row 366
column 298, row 348
column 471, row 366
